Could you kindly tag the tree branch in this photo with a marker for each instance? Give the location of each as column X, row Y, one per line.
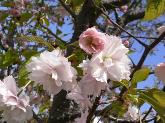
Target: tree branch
column 68, row 9
column 35, row 116
column 50, row 32
column 143, row 37
column 115, row 4
column 146, row 52
column 94, row 107
column 117, row 25
column 143, row 57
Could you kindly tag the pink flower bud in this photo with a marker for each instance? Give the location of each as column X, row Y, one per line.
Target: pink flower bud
column 161, row 29
column 126, row 43
column 108, row 22
column 159, row 71
column 124, row 8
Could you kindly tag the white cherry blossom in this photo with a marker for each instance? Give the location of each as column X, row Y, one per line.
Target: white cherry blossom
column 132, row 113
column 52, row 70
column 80, row 98
column 90, row 86
column 111, row 63
column 16, row 109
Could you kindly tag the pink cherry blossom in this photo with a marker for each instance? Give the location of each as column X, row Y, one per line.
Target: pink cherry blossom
column 92, row 41
column 161, row 29
column 53, row 71
column 160, row 71
column 126, row 43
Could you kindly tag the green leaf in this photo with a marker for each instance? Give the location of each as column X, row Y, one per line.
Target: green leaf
column 38, row 40
column 3, row 16
column 156, row 98
column 8, row 4
column 140, row 75
column 9, row 58
column 155, row 8
column 58, row 32
column 117, row 108
column 27, row 53
column 45, row 21
column 76, row 4
column 98, row 2
column 131, row 51
column 22, row 76
column 133, row 98
column 25, row 17
column 44, row 107
column 124, row 83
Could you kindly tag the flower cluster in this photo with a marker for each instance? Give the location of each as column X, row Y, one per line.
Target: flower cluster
column 16, row 108
column 109, row 62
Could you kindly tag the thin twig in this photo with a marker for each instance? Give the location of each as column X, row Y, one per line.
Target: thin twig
column 112, row 118
column 121, row 28
column 149, row 120
column 146, row 52
column 143, row 57
column 150, row 109
column 29, row 82
column 35, row 116
column 58, row 38
column 94, row 107
column 143, row 37
column 116, row 24
column 68, row 9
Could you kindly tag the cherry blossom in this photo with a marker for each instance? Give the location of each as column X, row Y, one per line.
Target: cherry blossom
column 12, row 105
column 8, row 91
column 53, row 71
column 90, row 86
column 126, row 43
column 124, row 8
column 161, row 29
column 80, row 98
column 19, row 113
column 111, row 63
column 132, row 113
column 160, row 71
column 92, row 41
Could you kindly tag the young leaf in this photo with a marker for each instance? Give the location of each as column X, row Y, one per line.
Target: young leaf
column 140, row 75
column 36, row 39
column 22, row 76
column 156, row 98
column 25, row 17
column 155, row 8
column 9, row 58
